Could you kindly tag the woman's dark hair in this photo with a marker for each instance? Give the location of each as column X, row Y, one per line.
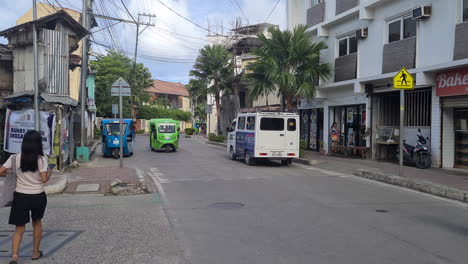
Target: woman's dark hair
column 31, row 149
column 334, row 123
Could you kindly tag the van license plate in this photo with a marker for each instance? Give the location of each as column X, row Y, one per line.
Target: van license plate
column 276, row 154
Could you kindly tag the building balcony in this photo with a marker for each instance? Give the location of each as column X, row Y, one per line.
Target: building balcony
column 316, row 14
column 345, row 5
column 346, row 68
column 399, row 54
column 461, row 42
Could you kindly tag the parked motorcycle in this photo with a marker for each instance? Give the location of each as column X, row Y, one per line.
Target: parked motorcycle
column 418, row 154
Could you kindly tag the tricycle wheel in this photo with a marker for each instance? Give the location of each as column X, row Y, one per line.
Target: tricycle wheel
column 284, row 162
column 168, row 148
column 116, row 153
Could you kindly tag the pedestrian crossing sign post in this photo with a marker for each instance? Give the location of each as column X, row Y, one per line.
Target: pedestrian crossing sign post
column 403, row 80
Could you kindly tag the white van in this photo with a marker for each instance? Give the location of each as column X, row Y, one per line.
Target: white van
column 264, row 135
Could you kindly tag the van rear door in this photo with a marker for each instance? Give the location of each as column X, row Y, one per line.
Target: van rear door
column 272, row 135
column 292, row 133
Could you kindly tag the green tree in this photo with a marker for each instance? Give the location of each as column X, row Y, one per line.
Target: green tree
column 109, row 68
column 214, row 68
column 198, row 90
column 288, row 64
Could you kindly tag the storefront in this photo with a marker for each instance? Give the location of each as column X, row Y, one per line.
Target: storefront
column 386, row 120
column 452, row 88
column 348, row 125
column 311, row 113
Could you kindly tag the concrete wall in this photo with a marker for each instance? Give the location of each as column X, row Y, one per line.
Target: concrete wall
column 297, row 12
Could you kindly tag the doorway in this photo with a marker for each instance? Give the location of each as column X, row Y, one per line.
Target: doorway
column 461, row 138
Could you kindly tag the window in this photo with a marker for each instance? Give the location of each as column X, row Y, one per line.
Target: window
column 272, row 124
column 113, row 129
column 401, row 28
column 291, row 124
column 347, row 45
column 250, row 123
column 241, row 124
column 316, row 2
column 465, row 10
column 166, row 129
column 233, row 126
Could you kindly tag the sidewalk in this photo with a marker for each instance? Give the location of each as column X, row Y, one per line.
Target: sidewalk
column 445, row 183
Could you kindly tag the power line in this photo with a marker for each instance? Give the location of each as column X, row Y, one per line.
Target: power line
column 182, row 35
column 242, row 11
column 190, row 21
column 277, row 2
column 128, row 11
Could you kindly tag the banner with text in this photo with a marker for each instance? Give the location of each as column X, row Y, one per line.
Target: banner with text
column 19, row 122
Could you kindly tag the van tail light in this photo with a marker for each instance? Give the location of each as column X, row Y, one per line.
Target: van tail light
column 291, row 154
column 263, row 154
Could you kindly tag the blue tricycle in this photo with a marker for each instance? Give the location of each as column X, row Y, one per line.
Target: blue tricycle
column 111, row 137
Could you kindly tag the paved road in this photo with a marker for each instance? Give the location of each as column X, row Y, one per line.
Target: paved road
column 298, row 214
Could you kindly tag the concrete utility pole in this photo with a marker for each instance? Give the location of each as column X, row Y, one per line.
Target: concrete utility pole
column 37, row 120
column 85, row 21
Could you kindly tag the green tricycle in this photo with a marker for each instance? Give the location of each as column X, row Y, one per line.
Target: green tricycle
column 164, row 134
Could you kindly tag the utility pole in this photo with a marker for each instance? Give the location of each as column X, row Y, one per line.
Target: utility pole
column 138, row 33
column 37, row 120
column 85, row 21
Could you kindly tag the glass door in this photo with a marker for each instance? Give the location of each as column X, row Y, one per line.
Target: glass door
column 461, row 138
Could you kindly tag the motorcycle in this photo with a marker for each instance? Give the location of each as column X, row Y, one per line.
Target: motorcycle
column 418, row 154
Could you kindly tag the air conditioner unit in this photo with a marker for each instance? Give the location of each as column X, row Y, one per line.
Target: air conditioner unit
column 422, row 12
column 362, row 33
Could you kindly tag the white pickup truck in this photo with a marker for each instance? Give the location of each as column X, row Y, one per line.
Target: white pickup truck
column 264, row 135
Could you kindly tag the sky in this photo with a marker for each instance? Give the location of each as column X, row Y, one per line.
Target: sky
column 169, row 48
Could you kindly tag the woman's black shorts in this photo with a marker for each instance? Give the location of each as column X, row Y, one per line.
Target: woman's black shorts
column 23, row 204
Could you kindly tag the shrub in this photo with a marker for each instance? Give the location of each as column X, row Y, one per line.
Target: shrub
column 189, row 131
column 215, row 138
column 302, row 147
column 140, row 131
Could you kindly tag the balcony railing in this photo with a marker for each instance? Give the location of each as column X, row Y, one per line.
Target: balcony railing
column 316, row 14
column 399, row 54
column 345, row 5
column 461, row 42
column 345, row 67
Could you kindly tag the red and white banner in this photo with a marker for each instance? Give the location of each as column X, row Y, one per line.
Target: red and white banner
column 452, row 83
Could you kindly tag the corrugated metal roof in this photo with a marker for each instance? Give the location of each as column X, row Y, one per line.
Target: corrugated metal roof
column 41, row 22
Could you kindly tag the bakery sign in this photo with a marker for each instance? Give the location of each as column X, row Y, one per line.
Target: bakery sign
column 452, row 83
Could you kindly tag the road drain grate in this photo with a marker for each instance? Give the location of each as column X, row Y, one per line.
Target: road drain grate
column 51, row 242
column 227, row 205
column 381, row 211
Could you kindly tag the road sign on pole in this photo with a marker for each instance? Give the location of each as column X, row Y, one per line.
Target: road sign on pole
column 402, row 81
column 117, row 89
column 209, row 109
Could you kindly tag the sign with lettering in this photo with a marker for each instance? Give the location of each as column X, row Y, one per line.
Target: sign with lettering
column 452, row 83
column 19, row 122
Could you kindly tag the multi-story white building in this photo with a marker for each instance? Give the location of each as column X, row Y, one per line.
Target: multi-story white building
column 368, row 42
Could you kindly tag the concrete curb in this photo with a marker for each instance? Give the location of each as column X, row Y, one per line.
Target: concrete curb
column 303, row 161
column 219, row 144
column 93, row 148
column 57, row 187
column 419, row 185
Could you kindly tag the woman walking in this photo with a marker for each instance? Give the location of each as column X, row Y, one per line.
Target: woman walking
column 29, row 198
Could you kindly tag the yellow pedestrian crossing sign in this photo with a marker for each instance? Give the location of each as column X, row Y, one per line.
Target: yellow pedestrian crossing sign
column 403, row 80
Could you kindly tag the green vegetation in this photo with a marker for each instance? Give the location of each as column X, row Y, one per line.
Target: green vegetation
column 109, row 68
column 189, row 131
column 288, row 64
column 148, row 113
column 302, row 147
column 212, row 67
column 140, row 131
column 215, row 138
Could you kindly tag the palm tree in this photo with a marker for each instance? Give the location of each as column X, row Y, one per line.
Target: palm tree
column 289, row 64
column 214, row 68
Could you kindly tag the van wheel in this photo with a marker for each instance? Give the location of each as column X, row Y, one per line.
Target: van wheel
column 249, row 160
column 284, row 162
column 232, row 154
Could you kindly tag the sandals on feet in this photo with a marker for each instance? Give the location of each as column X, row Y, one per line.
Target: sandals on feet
column 40, row 256
column 13, row 262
